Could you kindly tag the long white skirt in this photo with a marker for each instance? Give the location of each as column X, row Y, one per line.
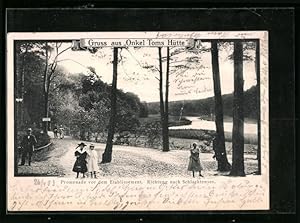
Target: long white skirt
column 92, row 161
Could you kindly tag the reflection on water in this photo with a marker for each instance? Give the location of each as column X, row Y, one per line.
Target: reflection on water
column 210, row 125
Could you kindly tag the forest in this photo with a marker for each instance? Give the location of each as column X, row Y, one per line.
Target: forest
column 79, row 102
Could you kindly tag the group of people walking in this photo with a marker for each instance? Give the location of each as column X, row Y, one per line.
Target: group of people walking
column 58, row 132
column 86, row 160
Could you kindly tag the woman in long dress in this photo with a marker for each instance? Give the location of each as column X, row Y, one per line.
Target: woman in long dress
column 194, row 163
column 92, row 161
column 80, row 163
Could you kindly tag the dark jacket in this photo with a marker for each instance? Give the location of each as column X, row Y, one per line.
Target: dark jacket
column 80, row 163
column 29, row 142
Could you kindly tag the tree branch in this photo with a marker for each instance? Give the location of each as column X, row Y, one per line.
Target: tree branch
column 63, row 50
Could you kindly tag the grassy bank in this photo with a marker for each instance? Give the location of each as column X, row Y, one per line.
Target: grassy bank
column 206, row 146
column 173, row 120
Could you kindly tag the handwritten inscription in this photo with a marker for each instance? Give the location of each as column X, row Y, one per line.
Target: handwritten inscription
column 195, row 83
column 207, row 35
column 148, row 194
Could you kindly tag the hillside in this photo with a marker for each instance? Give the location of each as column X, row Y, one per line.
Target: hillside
column 205, row 107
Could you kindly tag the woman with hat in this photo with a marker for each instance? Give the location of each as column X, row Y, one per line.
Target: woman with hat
column 80, row 163
column 92, row 161
column 194, row 163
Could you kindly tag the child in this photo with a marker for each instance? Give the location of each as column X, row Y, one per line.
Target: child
column 195, row 164
column 92, row 161
column 80, row 163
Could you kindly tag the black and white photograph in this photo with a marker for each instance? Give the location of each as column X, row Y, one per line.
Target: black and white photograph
column 123, row 111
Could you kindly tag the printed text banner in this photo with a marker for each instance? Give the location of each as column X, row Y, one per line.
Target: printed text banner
column 136, row 42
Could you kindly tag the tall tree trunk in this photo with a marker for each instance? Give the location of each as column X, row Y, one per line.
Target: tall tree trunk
column 257, row 68
column 23, row 85
column 46, row 111
column 107, row 155
column 47, row 103
column 166, row 115
column 19, row 124
column 238, row 113
column 161, row 98
column 45, row 87
column 219, row 143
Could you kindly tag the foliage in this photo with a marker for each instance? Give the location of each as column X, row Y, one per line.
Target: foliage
column 42, row 138
column 197, row 134
column 182, row 121
column 83, row 122
column 152, row 131
column 29, row 83
column 78, row 102
column 85, row 107
column 148, row 134
column 143, row 110
column 126, row 121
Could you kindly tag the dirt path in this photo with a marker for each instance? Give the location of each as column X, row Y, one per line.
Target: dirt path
column 127, row 161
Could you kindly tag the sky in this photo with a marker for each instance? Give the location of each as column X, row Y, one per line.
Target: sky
column 185, row 84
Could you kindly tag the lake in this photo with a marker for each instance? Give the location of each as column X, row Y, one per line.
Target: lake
column 211, row 125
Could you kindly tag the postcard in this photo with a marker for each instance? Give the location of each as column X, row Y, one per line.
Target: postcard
column 137, row 121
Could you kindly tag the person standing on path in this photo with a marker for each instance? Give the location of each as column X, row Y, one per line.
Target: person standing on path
column 28, row 143
column 61, row 132
column 80, row 163
column 194, row 163
column 92, row 161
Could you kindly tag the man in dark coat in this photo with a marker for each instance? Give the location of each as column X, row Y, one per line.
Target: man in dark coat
column 28, row 144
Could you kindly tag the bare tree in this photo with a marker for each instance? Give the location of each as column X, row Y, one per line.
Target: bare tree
column 107, row 155
column 178, row 70
column 238, row 113
column 49, row 75
column 166, row 115
column 164, row 108
column 219, row 144
column 257, row 68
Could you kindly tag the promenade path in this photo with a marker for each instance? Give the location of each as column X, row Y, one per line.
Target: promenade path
column 126, row 161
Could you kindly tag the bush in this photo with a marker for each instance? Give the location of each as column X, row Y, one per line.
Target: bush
column 41, row 137
column 191, row 134
column 183, row 121
column 42, row 140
